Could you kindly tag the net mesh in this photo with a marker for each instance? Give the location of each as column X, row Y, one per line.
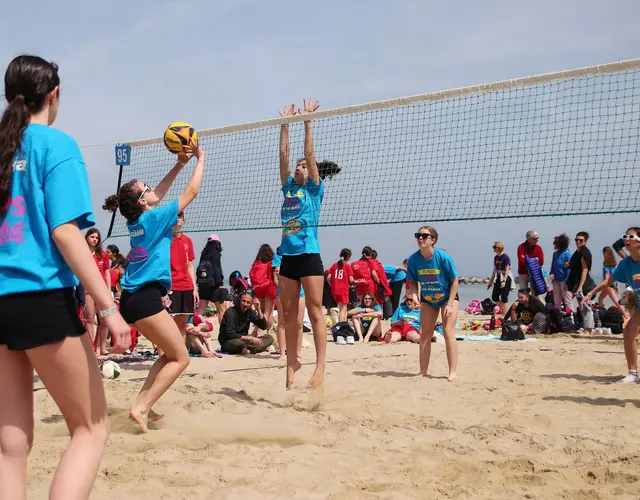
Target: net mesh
column 566, row 146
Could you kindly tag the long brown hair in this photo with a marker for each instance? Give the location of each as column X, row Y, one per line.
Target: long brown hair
column 91, row 231
column 126, row 200
column 27, row 83
column 374, row 302
column 609, row 257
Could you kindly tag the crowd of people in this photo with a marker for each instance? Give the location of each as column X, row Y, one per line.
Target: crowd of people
column 156, row 291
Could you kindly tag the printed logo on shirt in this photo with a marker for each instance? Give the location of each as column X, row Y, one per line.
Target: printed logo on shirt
column 428, row 271
column 137, row 232
column 13, row 233
column 138, row 254
column 19, row 166
column 292, row 204
column 526, row 316
column 292, row 227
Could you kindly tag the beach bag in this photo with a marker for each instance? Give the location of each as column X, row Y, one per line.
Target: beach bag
column 204, row 273
column 474, row 307
column 511, row 331
column 613, row 319
column 536, row 277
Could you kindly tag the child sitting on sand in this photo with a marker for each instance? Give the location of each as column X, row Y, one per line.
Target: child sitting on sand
column 199, row 337
column 405, row 323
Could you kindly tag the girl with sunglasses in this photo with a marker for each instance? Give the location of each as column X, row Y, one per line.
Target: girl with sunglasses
column 432, row 274
column 628, row 271
column 301, row 264
column 147, row 278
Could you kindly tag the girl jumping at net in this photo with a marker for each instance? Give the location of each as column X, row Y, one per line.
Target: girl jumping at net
column 148, row 276
column 301, row 263
column 45, row 202
column 627, row 271
column 432, row 276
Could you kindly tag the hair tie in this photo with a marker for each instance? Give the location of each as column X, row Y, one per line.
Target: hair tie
column 18, row 96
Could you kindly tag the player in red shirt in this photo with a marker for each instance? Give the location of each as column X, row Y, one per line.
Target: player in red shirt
column 182, row 295
column 362, row 274
column 340, row 278
column 94, row 240
column 383, row 291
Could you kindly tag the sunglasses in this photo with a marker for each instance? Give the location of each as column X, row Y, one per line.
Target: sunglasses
column 146, row 190
column 424, row 236
column 579, row 240
column 634, row 237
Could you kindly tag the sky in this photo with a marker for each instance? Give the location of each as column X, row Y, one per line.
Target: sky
column 130, row 68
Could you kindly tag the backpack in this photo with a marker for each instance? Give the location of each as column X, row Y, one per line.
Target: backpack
column 343, row 329
column 561, row 322
column 488, row 306
column 204, row 273
column 511, row 331
column 613, row 319
column 474, row 307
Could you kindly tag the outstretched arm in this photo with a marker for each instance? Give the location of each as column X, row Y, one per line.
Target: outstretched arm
column 310, row 107
column 193, row 186
column 285, row 172
column 165, row 184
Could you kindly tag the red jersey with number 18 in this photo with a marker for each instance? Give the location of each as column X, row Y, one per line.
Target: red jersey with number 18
column 340, row 281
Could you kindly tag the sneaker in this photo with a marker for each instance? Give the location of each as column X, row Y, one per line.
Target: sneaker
column 630, row 379
column 341, row 341
column 350, row 340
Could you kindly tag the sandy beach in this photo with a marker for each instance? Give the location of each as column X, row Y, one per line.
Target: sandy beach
column 526, row 420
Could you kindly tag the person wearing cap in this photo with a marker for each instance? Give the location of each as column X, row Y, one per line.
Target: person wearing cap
column 210, row 278
column 234, row 335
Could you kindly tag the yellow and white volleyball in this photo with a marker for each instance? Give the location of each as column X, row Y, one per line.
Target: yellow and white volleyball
column 178, row 135
column 110, row 369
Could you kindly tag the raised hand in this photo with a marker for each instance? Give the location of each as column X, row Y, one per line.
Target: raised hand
column 310, row 106
column 288, row 111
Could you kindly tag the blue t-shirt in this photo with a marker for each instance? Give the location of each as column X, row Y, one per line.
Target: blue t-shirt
column 150, row 240
column 434, row 275
column 277, row 260
column 49, row 188
column 411, row 316
column 300, row 217
column 628, row 272
column 560, row 273
column 393, row 275
column 366, row 320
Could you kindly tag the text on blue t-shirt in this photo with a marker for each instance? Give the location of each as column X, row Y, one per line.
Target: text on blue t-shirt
column 411, row 316
column 434, row 276
column 300, row 216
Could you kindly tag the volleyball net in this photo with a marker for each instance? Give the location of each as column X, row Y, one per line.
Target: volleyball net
column 558, row 144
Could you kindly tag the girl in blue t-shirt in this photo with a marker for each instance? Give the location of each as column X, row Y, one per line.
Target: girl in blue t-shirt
column 628, row 272
column 44, row 204
column 301, row 263
column 432, row 276
column 608, row 267
column 148, row 276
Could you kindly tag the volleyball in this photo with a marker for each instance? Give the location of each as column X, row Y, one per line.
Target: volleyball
column 110, row 369
column 178, row 135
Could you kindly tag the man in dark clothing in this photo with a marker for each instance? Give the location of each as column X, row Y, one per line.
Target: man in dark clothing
column 530, row 313
column 234, row 335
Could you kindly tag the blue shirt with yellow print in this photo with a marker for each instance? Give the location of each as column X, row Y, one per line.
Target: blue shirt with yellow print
column 434, row 275
column 300, row 216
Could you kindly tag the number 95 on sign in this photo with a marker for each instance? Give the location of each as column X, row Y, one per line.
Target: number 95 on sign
column 123, row 155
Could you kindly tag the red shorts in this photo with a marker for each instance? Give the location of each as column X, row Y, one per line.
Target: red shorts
column 341, row 296
column 265, row 291
column 403, row 330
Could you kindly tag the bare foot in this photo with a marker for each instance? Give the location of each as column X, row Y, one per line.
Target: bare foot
column 282, row 357
column 140, row 418
column 291, row 371
column 317, row 379
column 453, row 377
column 245, row 351
column 154, row 417
column 423, row 374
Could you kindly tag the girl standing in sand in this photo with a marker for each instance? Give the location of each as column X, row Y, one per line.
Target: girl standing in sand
column 44, row 204
column 98, row 329
column 434, row 272
column 628, row 271
column 341, row 278
column 148, row 276
column 301, row 263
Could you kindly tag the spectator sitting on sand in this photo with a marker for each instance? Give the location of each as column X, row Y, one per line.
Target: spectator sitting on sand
column 366, row 318
column 530, row 314
column 405, row 323
column 198, row 332
column 234, row 335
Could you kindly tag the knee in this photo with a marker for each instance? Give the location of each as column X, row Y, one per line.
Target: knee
column 16, row 444
column 315, row 314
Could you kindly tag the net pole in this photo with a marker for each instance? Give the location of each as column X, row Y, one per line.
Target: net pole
column 113, row 215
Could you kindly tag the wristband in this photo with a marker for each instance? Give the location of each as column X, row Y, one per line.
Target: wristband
column 181, row 163
column 108, row 312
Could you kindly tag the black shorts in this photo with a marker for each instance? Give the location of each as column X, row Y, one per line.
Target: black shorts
column 142, row 304
column 213, row 294
column 181, row 302
column 295, row 267
column 34, row 319
column 501, row 294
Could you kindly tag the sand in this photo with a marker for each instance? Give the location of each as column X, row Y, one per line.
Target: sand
column 526, row 420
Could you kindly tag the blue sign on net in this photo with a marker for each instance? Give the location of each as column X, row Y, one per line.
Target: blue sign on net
column 123, row 155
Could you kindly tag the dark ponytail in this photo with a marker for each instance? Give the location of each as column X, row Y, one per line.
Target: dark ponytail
column 366, row 252
column 345, row 255
column 27, row 83
column 126, row 200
